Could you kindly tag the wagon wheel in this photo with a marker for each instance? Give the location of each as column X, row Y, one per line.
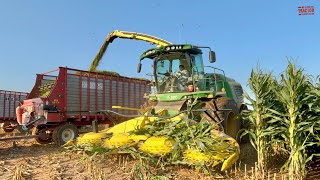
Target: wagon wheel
column 65, row 133
column 43, row 133
column 7, row 127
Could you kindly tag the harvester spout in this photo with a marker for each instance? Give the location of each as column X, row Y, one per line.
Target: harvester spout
column 124, row 35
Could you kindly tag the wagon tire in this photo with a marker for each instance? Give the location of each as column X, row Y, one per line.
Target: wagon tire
column 42, row 131
column 7, row 127
column 65, row 133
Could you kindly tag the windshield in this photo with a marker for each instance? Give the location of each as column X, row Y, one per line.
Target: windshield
column 197, row 64
column 176, row 70
column 167, row 67
column 172, row 72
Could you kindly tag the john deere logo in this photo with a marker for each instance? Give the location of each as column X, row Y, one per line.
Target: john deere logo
column 172, row 97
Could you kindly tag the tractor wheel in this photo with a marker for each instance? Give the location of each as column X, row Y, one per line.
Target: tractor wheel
column 229, row 119
column 44, row 134
column 7, row 127
column 65, row 133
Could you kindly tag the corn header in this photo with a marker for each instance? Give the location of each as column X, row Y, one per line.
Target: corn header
column 175, row 138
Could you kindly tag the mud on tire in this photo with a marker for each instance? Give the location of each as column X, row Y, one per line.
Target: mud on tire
column 229, row 119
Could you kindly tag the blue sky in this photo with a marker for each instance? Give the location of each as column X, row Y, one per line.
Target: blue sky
column 38, row 36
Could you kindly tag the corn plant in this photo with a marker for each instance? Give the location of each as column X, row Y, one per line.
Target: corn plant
column 261, row 84
column 186, row 133
column 296, row 119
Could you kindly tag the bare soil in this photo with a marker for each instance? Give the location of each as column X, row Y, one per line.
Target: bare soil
column 28, row 160
column 25, row 159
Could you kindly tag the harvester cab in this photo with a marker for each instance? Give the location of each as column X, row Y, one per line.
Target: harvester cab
column 182, row 83
column 180, row 69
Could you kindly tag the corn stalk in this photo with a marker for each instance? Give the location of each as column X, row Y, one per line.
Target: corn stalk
column 259, row 132
column 296, row 120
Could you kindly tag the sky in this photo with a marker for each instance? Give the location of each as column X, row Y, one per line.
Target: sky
column 38, row 36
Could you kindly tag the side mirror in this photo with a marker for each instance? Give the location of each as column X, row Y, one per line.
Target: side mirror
column 139, row 68
column 212, row 56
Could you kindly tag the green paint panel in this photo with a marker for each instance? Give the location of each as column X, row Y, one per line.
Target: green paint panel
column 179, row 96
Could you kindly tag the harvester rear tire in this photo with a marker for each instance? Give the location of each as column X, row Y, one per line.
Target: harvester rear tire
column 38, row 130
column 229, row 119
column 65, row 133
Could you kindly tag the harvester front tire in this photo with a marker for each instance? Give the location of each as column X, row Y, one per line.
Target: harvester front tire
column 65, row 133
column 229, row 119
column 42, row 131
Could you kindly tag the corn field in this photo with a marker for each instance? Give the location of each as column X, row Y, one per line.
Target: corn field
column 284, row 119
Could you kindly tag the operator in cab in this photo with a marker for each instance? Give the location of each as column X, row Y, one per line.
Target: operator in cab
column 182, row 75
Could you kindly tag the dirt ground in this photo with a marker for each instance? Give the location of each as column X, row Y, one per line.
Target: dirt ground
column 26, row 159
